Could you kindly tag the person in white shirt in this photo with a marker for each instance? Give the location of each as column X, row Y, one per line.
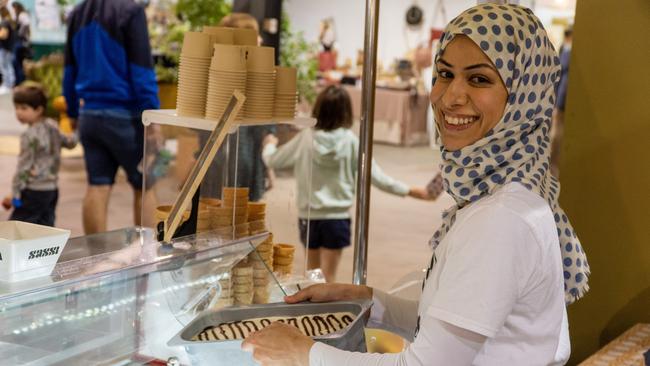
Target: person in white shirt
column 506, row 260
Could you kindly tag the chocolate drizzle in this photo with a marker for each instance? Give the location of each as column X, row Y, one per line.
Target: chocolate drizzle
column 309, row 332
column 346, row 319
column 323, row 327
column 252, row 325
column 334, row 322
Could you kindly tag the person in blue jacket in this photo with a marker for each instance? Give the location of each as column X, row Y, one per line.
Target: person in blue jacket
column 108, row 81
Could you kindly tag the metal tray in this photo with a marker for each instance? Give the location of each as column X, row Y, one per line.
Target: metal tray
column 350, row 338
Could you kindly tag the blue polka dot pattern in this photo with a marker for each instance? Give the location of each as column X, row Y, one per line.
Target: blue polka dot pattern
column 517, row 149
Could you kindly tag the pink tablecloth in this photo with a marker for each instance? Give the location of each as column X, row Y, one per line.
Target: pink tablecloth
column 400, row 118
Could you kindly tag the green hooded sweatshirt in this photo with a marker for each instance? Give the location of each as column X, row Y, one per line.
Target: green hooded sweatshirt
column 332, row 158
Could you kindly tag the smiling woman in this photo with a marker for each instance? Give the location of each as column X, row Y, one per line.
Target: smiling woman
column 506, row 259
column 469, row 96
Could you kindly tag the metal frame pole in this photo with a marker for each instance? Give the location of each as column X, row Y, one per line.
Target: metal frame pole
column 365, row 143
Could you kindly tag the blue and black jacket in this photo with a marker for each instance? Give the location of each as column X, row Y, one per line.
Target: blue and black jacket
column 108, row 59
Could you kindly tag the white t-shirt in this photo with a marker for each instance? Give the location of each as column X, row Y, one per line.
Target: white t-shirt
column 497, row 273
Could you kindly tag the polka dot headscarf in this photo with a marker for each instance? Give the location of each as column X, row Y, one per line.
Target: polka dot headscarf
column 517, row 149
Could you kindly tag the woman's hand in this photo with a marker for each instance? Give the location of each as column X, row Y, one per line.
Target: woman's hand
column 326, row 292
column 279, row 344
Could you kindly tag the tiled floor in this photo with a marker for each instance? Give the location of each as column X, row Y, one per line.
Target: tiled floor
column 399, row 227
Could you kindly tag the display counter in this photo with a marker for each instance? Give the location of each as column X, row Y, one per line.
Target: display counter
column 116, row 298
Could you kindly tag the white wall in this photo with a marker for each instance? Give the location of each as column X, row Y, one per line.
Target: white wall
column 394, row 39
column 349, row 16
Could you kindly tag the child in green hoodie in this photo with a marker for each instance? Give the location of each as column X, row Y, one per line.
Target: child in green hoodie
column 330, row 151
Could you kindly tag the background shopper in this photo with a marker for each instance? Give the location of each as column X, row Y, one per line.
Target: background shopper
column 22, row 47
column 506, row 258
column 108, row 65
column 326, row 173
column 7, row 40
column 34, row 191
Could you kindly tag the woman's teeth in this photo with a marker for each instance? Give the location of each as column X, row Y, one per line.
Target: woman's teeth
column 459, row 121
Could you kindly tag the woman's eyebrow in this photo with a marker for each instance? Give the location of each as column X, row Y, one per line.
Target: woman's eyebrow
column 471, row 67
column 478, row 66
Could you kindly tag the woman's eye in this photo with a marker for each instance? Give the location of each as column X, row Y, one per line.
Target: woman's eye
column 445, row 74
column 478, row 79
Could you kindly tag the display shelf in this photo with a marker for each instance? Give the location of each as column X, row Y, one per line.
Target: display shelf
column 171, row 118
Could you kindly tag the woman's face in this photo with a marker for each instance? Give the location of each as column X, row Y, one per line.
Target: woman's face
column 468, row 97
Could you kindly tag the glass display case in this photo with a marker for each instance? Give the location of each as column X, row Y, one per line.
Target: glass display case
column 118, row 298
column 120, row 306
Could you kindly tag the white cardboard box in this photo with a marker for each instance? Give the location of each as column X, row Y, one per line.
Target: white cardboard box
column 28, row 250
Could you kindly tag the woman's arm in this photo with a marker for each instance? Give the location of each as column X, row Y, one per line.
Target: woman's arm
column 438, row 343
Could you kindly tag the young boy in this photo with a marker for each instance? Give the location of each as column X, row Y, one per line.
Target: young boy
column 34, row 191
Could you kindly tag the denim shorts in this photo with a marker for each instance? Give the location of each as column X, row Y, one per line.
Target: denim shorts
column 329, row 234
column 111, row 139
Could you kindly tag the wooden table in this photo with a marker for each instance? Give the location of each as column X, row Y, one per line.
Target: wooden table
column 627, row 349
column 400, row 117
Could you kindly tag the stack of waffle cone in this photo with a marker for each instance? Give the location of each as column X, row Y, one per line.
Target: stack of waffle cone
column 230, row 219
column 226, row 297
column 256, row 217
column 262, row 261
column 242, row 284
column 283, row 258
column 162, row 213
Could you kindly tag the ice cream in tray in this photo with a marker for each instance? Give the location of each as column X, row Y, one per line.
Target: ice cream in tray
column 339, row 324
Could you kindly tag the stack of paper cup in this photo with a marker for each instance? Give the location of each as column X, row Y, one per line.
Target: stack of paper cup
column 242, row 284
column 192, row 71
column 260, row 83
column 262, row 261
column 227, row 74
column 283, row 258
column 286, row 95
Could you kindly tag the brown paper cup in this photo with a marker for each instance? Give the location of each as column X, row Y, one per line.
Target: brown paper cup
column 196, row 44
column 245, row 37
column 285, row 79
column 228, row 58
column 220, row 35
column 260, row 59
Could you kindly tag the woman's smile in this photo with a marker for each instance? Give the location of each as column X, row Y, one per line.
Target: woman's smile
column 459, row 122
